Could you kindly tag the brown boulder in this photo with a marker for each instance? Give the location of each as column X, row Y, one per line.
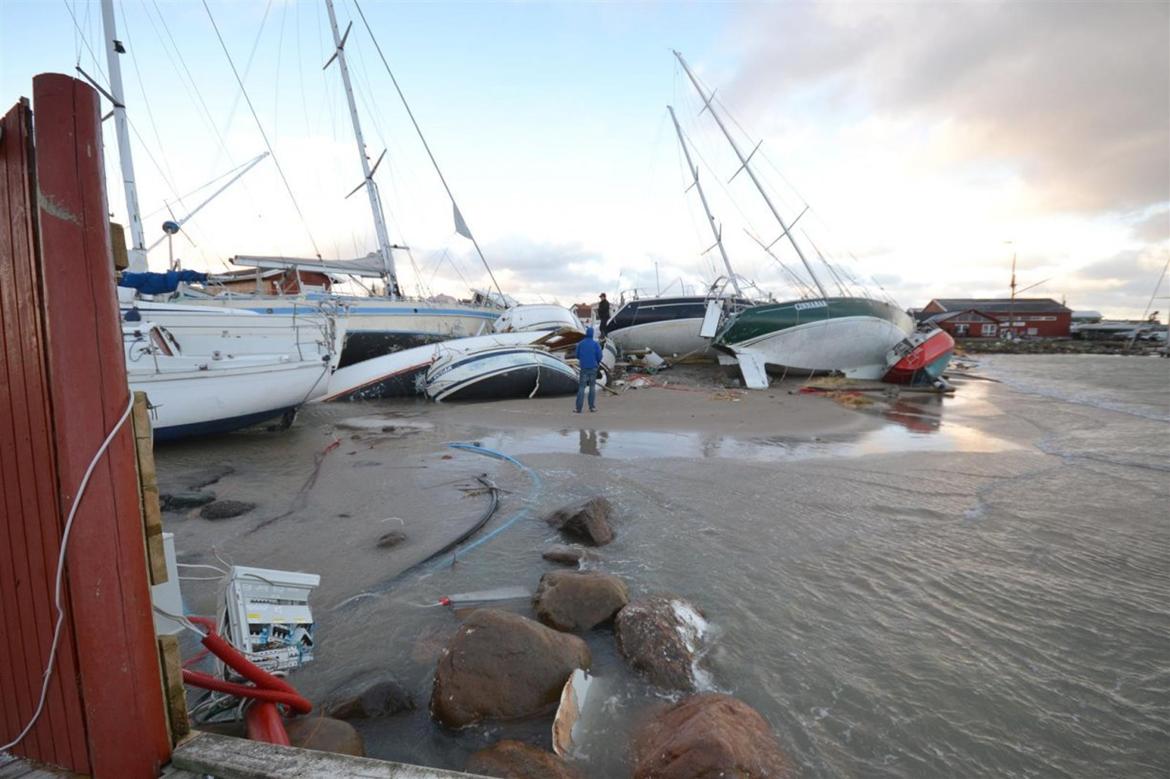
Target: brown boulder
column 566, row 555
column 364, row 696
column 587, row 520
column 661, row 637
column 517, row 760
column 579, row 600
column 708, row 735
column 500, row 665
column 325, row 735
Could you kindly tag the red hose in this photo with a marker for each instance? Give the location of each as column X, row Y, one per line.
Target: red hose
column 264, row 724
column 208, row 682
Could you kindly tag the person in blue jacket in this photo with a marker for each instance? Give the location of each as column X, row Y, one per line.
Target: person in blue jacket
column 588, row 359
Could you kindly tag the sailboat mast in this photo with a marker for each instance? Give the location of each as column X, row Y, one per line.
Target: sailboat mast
column 122, row 131
column 715, row 231
column 744, row 162
column 384, row 248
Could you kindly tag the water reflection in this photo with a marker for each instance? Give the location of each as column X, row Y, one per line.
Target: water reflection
column 914, row 423
column 590, row 441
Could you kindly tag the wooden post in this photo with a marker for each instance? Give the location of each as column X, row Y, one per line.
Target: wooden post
column 109, row 594
column 148, row 481
column 30, row 533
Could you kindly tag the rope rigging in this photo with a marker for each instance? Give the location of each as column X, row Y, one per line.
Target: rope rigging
column 263, row 134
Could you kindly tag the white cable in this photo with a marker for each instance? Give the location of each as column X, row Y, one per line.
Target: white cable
column 60, row 572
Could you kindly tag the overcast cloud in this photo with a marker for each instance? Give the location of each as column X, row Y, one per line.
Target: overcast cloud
column 1075, row 96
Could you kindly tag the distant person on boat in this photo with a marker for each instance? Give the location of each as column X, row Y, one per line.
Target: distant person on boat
column 602, row 316
column 588, row 359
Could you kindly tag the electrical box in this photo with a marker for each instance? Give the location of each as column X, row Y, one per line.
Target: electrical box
column 268, row 616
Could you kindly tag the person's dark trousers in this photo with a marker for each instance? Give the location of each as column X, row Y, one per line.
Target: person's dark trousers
column 588, row 378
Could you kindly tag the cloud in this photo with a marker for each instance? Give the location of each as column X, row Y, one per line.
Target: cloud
column 1074, row 97
column 1155, row 228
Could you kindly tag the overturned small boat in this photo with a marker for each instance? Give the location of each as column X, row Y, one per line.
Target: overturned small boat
column 920, row 358
column 496, row 374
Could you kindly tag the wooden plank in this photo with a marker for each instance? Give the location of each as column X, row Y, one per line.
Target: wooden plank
column 29, row 478
column 121, row 683
column 236, row 758
column 176, row 695
column 148, row 485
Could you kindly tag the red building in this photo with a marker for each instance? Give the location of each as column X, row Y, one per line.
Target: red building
column 999, row 317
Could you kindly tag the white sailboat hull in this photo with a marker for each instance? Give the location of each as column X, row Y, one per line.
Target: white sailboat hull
column 669, row 338
column 191, row 403
column 855, row 346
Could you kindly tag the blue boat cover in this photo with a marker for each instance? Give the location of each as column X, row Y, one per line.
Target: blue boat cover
column 159, row 283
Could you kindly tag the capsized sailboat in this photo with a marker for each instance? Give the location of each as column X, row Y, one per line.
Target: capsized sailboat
column 823, row 333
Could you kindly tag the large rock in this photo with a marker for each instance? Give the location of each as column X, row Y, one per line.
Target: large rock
column 708, row 735
column 587, row 520
column 325, row 735
column 226, row 509
column 517, row 760
column 500, row 666
column 661, row 637
column 185, row 500
column 579, row 600
column 365, row 696
column 565, row 555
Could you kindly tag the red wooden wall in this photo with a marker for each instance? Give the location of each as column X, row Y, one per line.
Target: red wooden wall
column 62, row 389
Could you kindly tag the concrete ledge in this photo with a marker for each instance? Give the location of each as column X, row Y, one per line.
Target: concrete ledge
column 225, row 757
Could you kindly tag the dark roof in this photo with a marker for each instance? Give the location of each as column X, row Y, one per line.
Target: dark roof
column 946, row 315
column 1001, row 305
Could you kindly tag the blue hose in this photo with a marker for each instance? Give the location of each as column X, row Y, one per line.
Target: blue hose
column 431, row 564
column 537, row 487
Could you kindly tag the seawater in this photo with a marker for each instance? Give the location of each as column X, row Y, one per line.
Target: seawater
column 981, row 587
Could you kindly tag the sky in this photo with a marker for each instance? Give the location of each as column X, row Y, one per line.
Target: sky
column 931, row 142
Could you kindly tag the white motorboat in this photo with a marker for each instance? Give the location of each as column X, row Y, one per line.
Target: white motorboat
column 194, row 394
column 496, row 374
column 537, row 316
column 400, row 373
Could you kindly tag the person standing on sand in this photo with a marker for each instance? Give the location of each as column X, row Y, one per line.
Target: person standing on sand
column 588, row 360
column 602, row 316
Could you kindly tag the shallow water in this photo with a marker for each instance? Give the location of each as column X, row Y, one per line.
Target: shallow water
column 980, row 586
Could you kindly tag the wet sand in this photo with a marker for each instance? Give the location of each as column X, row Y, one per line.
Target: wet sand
column 923, row 586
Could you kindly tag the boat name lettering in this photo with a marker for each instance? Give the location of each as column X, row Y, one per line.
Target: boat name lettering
column 807, row 304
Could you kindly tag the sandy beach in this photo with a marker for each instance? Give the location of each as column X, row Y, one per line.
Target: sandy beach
column 909, row 585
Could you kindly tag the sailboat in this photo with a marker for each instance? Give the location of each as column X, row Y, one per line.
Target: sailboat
column 671, row 325
column 379, row 324
column 192, row 393
column 207, row 370
column 844, row 334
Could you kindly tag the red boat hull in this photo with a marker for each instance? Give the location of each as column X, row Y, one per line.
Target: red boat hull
column 925, row 362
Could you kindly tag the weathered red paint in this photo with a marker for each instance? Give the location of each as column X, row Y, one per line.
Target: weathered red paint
column 64, row 387
column 110, row 596
column 30, row 538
